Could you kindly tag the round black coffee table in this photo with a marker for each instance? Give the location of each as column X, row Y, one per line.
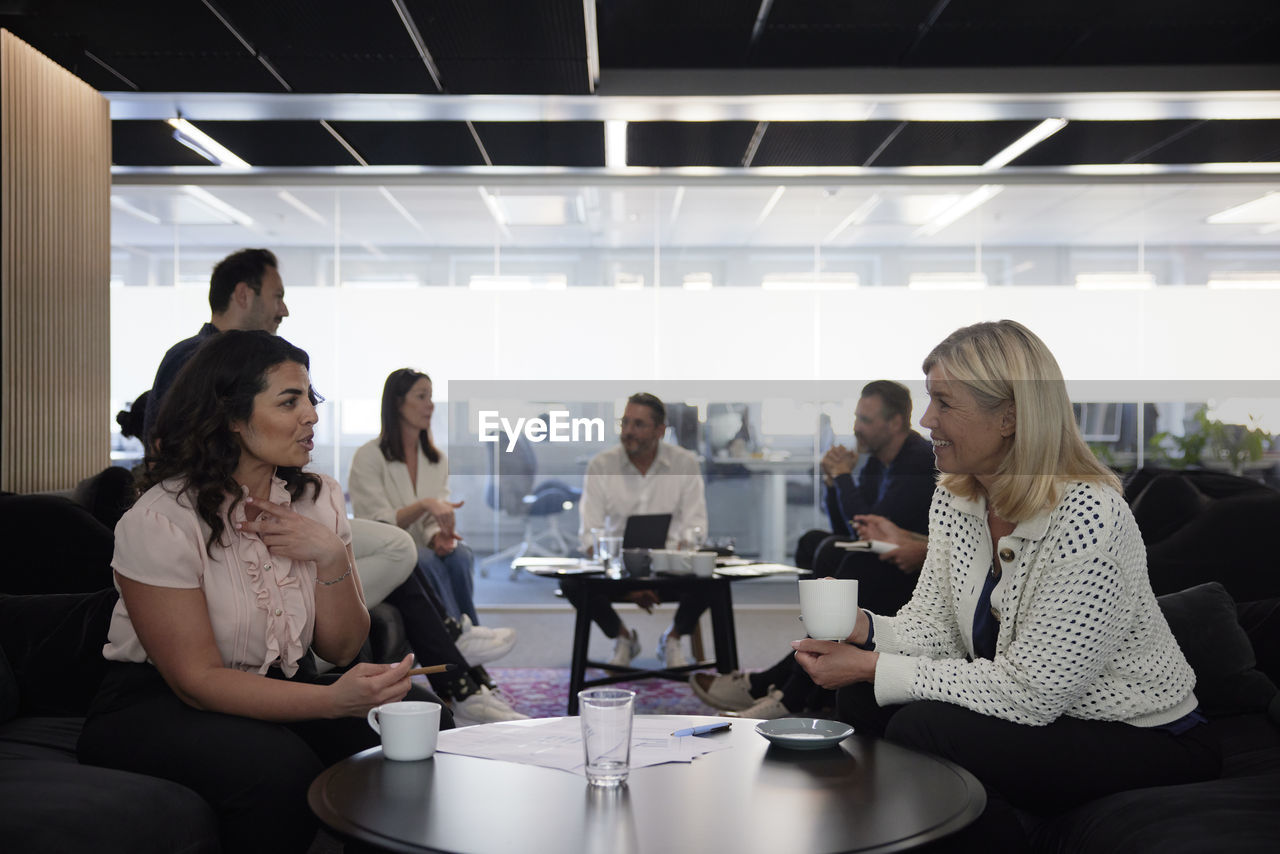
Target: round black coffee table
column 754, row 798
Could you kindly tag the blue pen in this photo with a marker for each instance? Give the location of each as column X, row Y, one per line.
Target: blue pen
column 704, row 729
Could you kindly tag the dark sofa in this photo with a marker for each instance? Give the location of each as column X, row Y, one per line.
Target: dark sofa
column 50, row 666
column 1216, row 573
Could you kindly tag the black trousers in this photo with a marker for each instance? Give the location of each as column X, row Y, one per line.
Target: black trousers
column 254, row 773
column 1041, row 769
column 428, row 631
column 600, row 607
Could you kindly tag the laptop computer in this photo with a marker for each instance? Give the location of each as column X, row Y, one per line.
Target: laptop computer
column 646, row 532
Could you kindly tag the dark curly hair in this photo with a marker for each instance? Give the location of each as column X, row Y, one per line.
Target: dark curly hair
column 192, row 441
column 393, row 393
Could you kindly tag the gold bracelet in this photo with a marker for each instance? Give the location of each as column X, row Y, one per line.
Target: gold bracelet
column 342, row 577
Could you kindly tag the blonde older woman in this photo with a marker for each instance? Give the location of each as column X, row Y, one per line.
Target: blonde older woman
column 1033, row 652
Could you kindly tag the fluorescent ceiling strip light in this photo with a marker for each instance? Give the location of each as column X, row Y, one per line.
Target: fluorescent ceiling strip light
column 401, row 209
column 1264, row 209
column 769, row 205
column 1025, row 143
column 676, row 203
column 495, row 211
column 963, row 206
column 947, row 281
column 615, row 144
column 218, row 205
column 697, row 282
column 1261, row 280
column 593, row 45
column 810, row 282
column 204, row 145
column 858, row 217
column 1115, row 281
column 300, row 206
column 120, row 204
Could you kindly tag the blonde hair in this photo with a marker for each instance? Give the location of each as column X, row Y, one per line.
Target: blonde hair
column 1004, row 362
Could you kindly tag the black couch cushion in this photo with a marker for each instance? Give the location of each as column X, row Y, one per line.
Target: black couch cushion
column 52, row 545
column 57, row 807
column 1227, row 543
column 1261, row 622
column 1168, row 502
column 8, row 690
column 54, row 647
column 1238, row 815
column 1204, row 622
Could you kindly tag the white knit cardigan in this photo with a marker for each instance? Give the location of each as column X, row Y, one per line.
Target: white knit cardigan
column 1080, row 631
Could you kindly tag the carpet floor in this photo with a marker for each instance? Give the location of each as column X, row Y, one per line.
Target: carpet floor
column 543, row 692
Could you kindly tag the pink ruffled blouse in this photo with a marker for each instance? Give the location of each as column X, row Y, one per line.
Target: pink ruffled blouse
column 261, row 605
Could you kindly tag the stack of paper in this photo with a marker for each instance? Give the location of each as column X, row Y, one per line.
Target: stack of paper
column 557, row 742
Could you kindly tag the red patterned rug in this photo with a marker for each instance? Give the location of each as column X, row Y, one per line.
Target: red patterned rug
column 543, row 692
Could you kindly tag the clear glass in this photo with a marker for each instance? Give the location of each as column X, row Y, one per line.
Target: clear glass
column 606, row 715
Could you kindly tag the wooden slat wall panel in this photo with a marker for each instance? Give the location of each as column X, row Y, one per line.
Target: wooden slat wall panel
column 55, row 250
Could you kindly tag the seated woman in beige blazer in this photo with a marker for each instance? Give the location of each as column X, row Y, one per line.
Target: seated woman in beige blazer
column 402, row 479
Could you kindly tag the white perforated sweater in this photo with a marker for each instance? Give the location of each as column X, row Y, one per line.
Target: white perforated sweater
column 1080, row 631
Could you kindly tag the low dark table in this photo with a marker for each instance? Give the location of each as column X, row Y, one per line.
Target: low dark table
column 864, row 795
column 724, row 637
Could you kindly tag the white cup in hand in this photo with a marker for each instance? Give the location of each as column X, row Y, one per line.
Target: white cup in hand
column 408, row 728
column 829, row 607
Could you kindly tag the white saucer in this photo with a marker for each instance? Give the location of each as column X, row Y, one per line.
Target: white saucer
column 804, row 733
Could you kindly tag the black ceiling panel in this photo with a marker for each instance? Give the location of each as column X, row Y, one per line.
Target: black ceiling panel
column 950, row 143
column 332, row 45
column 822, row 143
column 1104, row 142
column 280, row 143
column 820, row 33
column 159, row 45
column 149, row 144
column 688, row 143
column 991, row 33
column 675, row 33
column 1240, row 141
column 412, row 143
column 499, row 46
column 543, row 143
column 1183, row 32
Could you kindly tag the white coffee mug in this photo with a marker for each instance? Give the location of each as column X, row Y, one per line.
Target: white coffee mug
column 704, row 563
column 829, row 607
column 660, row 560
column 408, row 728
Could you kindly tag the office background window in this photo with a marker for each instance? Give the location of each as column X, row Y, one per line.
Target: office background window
column 713, row 283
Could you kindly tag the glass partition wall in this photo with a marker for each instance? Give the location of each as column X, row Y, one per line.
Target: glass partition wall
column 756, row 311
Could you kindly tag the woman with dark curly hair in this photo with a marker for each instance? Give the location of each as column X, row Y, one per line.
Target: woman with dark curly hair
column 232, row 568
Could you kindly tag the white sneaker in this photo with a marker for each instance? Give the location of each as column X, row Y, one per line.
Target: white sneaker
column 769, row 707
column 670, row 650
column 484, row 707
column 728, row 691
column 625, row 648
column 481, row 644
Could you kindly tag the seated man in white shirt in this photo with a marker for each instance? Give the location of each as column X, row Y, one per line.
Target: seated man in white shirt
column 642, row 475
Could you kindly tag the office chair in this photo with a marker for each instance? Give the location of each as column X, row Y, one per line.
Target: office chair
column 511, row 490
